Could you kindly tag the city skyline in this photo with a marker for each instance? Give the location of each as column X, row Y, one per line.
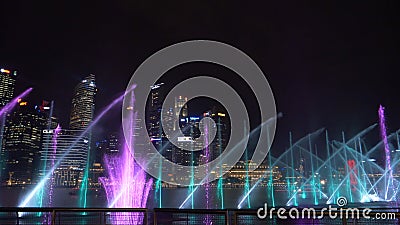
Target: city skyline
column 194, row 112
column 324, row 72
column 28, row 150
column 312, row 95
column 40, row 115
column 302, row 173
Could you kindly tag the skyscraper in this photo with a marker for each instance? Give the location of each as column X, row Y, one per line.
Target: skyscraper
column 181, row 107
column 7, row 84
column 72, row 143
column 190, row 129
column 71, row 152
column 83, row 103
column 22, row 141
column 153, row 112
column 222, row 126
column 153, row 119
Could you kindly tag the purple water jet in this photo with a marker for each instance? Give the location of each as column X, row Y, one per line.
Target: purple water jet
column 42, row 182
column 207, row 219
column 53, row 157
column 126, row 185
column 388, row 167
column 50, row 184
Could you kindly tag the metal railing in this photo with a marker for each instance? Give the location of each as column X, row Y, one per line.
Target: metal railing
column 164, row 216
column 73, row 216
column 343, row 217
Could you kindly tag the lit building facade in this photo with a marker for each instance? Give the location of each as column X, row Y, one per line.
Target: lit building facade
column 222, row 127
column 20, row 151
column 68, row 154
column 71, row 141
column 190, row 129
column 83, row 103
column 71, row 148
column 7, row 85
column 180, row 108
column 153, row 121
column 248, row 170
column 153, row 111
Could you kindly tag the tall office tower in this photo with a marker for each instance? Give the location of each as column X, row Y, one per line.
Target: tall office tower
column 180, row 118
column 190, row 129
column 222, row 127
column 7, row 85
column 21, row 144
column 153, row 123
column 180, row 109
column 70, row 151
column 83, row 104
column 153, row 120
column 153, row 112
column 82, row 112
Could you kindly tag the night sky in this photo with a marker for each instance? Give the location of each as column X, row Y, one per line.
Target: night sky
column 329, row 64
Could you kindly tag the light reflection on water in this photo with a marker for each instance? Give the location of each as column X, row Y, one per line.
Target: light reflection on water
column 172, row 197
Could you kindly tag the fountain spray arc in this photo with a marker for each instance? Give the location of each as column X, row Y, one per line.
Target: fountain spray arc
column 46, row 152
column 50, row 184
column 126, row 185
column 158, row 183
column 253, row 132
column 247, row 179
column 388, row 167
column 85, row 180
column 207, row 219
column 53, row 157
column 27, row 199
column 14, row 101
column 364, row 190
column 220, row 186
